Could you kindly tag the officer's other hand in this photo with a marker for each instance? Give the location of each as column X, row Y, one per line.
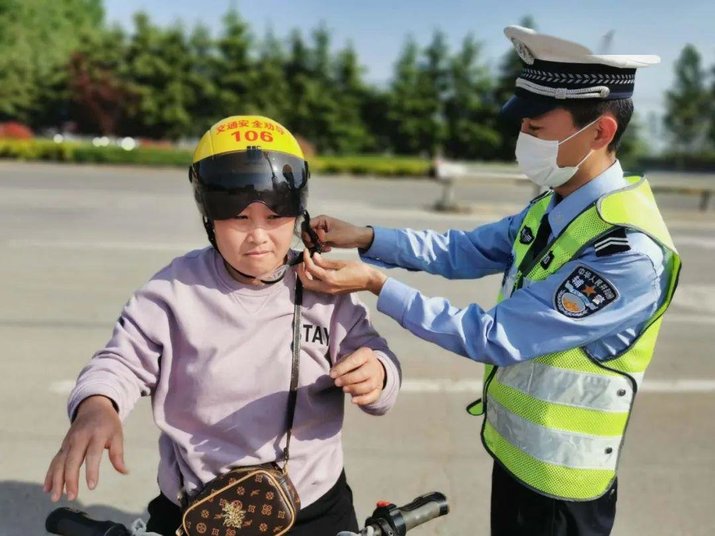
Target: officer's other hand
column 95, row 428
column 333, row 232
column 361, row 375
column 330, row 276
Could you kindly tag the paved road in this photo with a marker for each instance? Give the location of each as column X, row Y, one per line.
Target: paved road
column 76, row 241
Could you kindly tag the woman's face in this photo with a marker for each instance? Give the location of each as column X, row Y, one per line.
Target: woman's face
column 256, row 241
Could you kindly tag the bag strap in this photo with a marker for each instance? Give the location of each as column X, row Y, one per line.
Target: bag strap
column 295, row 347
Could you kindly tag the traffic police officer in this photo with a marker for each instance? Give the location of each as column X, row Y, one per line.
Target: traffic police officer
column 589, row 269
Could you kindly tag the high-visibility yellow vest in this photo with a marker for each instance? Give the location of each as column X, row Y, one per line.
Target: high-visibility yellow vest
column 557, row 422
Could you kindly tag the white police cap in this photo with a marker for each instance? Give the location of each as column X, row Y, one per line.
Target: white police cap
column 557, row 70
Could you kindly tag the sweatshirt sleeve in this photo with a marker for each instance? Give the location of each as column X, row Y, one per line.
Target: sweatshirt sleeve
column 352, row 329
column 128, row 365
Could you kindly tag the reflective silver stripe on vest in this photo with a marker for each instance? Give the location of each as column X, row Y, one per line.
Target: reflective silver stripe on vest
column 569, row 387
column 637, row 376
column 569, row 449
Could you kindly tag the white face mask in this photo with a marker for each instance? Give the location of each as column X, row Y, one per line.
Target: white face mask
column 537, row 159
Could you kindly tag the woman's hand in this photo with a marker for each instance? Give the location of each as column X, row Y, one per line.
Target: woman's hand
column 333, row 232
column 96, row 427
column 339, row 277
column 360, row 374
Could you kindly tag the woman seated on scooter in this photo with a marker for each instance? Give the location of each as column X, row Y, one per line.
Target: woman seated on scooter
column 209, row 339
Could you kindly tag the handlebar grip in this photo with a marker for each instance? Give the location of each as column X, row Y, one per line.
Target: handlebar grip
column 71, row 522
column 424, row 508
column 389, row 520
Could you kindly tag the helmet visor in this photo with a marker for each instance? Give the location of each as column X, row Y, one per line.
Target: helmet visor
column 226, row 184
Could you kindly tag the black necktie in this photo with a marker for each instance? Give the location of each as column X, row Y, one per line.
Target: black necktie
column 540, row 241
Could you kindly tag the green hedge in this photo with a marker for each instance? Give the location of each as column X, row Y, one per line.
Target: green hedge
column 36, row 150
column 151, row 156
column 140, row 156
column 375, row 165
column 86, row 153
column 390, row 166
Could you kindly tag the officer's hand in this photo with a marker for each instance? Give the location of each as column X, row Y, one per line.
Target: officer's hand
column 360, row 374
column 340, row 234
column 339, row 277
column 95, row 428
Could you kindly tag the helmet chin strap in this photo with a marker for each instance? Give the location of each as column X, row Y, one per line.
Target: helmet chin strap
column 317, row 247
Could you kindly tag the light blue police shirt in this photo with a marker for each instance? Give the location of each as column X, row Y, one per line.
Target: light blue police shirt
column 527, row 324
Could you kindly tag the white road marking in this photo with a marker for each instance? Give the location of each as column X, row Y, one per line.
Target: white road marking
column 676, row 318
column 695, row 241
column 442, row 385
column 698, row 298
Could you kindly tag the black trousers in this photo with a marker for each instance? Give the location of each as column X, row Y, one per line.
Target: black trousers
column 327, row 516
column 519, row 511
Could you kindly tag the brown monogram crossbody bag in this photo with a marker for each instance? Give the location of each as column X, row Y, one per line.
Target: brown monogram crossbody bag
column 256, row 500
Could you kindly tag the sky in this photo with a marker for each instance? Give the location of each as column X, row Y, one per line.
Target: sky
column 378, row 28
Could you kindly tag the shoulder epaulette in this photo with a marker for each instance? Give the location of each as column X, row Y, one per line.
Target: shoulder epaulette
column 615, row 241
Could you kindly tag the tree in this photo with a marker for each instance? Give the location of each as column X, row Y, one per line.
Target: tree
column 235, row 75
column 17, row 72
column 375, row 113
column 320, row 94
column 433, row 86
column 201, row 78
column 271, row 93
column 37, row 39
column 156, row 69
column 711, row 111
column 632, row 147
column 417, row 96
column 470, row 111
column 349, row 132
column 98, row 97
column 314, row 110
column 686, row 116
column 298, row 76
column 404, row 106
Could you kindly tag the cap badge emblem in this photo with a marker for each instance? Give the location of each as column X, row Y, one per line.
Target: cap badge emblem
column 523, row 51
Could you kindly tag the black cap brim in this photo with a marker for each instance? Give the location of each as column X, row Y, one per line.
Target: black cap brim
column 517, row 108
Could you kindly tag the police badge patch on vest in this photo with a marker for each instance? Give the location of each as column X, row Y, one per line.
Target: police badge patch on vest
column 583, row 293
column 526, row 236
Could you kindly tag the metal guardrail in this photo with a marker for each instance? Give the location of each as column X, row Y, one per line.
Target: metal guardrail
column 705, row 192
column 450, row 173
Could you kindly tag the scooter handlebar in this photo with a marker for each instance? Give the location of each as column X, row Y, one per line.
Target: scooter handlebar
column 391, row 520
column 70, row 522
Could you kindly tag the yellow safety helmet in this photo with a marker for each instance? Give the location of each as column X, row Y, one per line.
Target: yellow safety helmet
column 245, row 159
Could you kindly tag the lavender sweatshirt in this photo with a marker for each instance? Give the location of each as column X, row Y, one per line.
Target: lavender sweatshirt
column 215, row 357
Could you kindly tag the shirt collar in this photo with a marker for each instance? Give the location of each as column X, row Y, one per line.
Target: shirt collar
column 561, row 214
